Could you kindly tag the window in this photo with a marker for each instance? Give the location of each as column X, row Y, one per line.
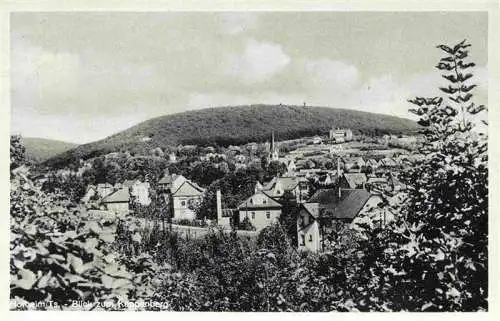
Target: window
column 278, row 192
column 268, row 215
column 264, row 201
column 183, row 203
column 253, row 215
column 302, row 239
column 310, row 238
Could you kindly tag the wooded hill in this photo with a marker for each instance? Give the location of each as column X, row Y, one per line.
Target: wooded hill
column 236, row 125
column 41, row 149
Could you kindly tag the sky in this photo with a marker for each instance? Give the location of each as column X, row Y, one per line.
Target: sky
column 80, row 77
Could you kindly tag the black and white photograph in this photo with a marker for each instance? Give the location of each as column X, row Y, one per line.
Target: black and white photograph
column 249, row 161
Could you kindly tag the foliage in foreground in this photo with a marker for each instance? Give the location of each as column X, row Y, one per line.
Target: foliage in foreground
column 435, row 253
column 432, row 257
column 60, row 254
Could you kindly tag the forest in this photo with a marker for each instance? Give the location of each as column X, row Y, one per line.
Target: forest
column 224, row 126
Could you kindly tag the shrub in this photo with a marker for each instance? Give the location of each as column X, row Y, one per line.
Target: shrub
column 246, row 225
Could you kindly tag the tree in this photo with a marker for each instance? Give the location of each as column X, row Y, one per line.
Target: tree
column 17, row 152
column 288, row 217
column 274, row 169
column 436, row 251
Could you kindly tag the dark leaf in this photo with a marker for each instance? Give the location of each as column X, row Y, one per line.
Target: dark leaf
column 465, row 66
column 447, row 59
column 416, row 111
column 465, row 98
column 444, row 66
column 451, row 78
column 462, row 77
column 445, row 48
column 460, row 45
column 466, row 89
column 462, row 54
column 449, row 90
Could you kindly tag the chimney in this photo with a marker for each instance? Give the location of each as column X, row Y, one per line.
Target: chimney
column 219, row 206
column 338, row 173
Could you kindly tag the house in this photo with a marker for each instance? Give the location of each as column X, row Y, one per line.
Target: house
column 104, row 189
column 289, row 163
column 290, row 166
column 260, row 209
column 327, row 213
column 317, row 140
column 340, row 135
column 90, row 193
column 387, row 162
column 396, row 184
column 210, row 149
column 172, row 158
column 372, row 163
column 378, row 184
column 328, row 179
column 240, row 158
column 338, row 140
column 353, row 181
column 117, row 201
column 300, row 164
column 140, row 191
column 353, row 163
column 276, row 188
column 165, row 183
column 308, row 228
column 182, row 194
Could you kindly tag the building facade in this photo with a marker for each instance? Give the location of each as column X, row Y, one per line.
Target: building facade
column 329, row 212
column 260, row 210
column 339, row 135
column 182, row 195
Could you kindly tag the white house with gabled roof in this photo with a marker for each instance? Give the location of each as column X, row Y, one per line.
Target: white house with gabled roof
column 182, row 194
column 260, row 209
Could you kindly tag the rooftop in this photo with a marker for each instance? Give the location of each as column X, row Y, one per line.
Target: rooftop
column 120, row 196
column 347, row 206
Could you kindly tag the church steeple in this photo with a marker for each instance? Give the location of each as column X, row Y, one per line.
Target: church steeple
column 273, row 149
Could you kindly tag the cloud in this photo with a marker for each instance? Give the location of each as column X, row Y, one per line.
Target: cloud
column 258, row 62
column 62, row 82
column 234, row 23
column 333, row 74
column 381, row 94
column 38, row 73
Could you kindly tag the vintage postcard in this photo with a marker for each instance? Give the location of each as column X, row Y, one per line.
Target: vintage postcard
column 249, row 161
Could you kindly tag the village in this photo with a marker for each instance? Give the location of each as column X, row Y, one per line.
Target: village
column 251, row 160
column 334, row 181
